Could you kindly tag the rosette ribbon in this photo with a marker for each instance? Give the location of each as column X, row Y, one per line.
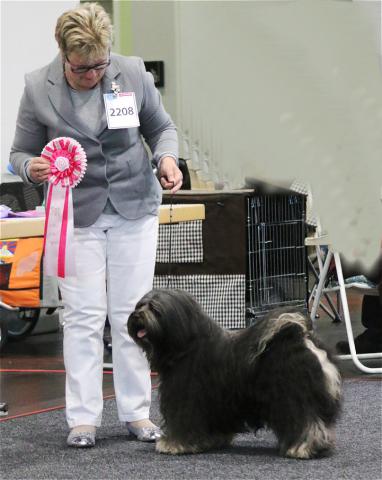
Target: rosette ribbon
column 67, row 168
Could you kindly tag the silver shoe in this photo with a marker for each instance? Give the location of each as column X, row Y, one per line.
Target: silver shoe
column 81, row 439
column 145, row 434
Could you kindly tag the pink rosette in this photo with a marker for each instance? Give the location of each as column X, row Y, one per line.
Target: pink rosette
column 67, row 161
column 68, row 165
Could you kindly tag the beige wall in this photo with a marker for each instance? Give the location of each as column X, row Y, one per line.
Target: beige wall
column 278, row 90
column 27, row 43
column 153, row 38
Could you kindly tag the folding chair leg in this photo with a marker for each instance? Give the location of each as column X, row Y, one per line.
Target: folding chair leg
column 320, row 286
column 331, row 311
column 349, row 330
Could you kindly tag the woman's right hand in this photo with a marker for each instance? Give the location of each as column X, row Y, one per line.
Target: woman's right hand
column 38, row 169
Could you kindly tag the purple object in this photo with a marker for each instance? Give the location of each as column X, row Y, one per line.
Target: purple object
column 6, row 212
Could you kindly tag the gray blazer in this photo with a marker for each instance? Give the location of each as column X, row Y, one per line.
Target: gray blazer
column 118, row 165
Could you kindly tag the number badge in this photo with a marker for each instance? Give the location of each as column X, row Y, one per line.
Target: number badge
column 121, row 110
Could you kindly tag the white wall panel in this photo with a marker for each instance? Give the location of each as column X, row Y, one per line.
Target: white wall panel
column 27, row 43
column 279, row 90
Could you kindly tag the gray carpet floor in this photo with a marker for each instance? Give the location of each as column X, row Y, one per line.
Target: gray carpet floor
column 34, row 448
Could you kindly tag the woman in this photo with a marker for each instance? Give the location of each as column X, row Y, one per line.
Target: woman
column 115, row 209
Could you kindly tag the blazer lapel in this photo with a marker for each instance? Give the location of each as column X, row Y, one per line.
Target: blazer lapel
column 59, row 95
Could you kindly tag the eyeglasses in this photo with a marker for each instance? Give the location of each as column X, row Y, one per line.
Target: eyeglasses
column 85, row 69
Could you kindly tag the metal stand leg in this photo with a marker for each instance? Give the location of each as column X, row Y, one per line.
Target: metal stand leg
column 349, row 330
column 320, row 286
column 332, row 311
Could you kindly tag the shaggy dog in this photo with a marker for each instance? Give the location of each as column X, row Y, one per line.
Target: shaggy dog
column 215, row 383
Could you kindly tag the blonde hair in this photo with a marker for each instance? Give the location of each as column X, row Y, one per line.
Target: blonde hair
column 85, row 30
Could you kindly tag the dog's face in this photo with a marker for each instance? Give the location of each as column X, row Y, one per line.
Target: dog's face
column 165, row 322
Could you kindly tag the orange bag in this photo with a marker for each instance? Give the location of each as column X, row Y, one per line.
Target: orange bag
column 20, row 271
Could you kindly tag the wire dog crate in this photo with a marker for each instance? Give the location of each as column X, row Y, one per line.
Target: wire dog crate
column 277, row 265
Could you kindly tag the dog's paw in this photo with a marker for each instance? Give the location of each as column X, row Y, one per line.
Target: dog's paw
column 163, row 445
column 173, row 447
column 305, row 450
column 301, row 452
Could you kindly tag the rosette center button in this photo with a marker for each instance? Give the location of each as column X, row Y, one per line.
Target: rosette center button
column 61, row 163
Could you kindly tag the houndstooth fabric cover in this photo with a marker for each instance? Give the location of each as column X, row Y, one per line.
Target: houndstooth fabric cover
column 304, row 189
column 222, row 297
column 186, row 242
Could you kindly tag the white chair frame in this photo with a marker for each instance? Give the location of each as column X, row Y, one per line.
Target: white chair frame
column 319, row 290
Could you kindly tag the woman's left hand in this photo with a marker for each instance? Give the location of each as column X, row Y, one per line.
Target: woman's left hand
column 170, row 176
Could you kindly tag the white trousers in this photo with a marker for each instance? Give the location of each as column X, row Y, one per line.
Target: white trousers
column 115, row 261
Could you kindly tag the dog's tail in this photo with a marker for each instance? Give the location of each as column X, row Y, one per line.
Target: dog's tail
column 272, row 327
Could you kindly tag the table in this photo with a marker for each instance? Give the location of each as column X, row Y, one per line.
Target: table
column 34, row 227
